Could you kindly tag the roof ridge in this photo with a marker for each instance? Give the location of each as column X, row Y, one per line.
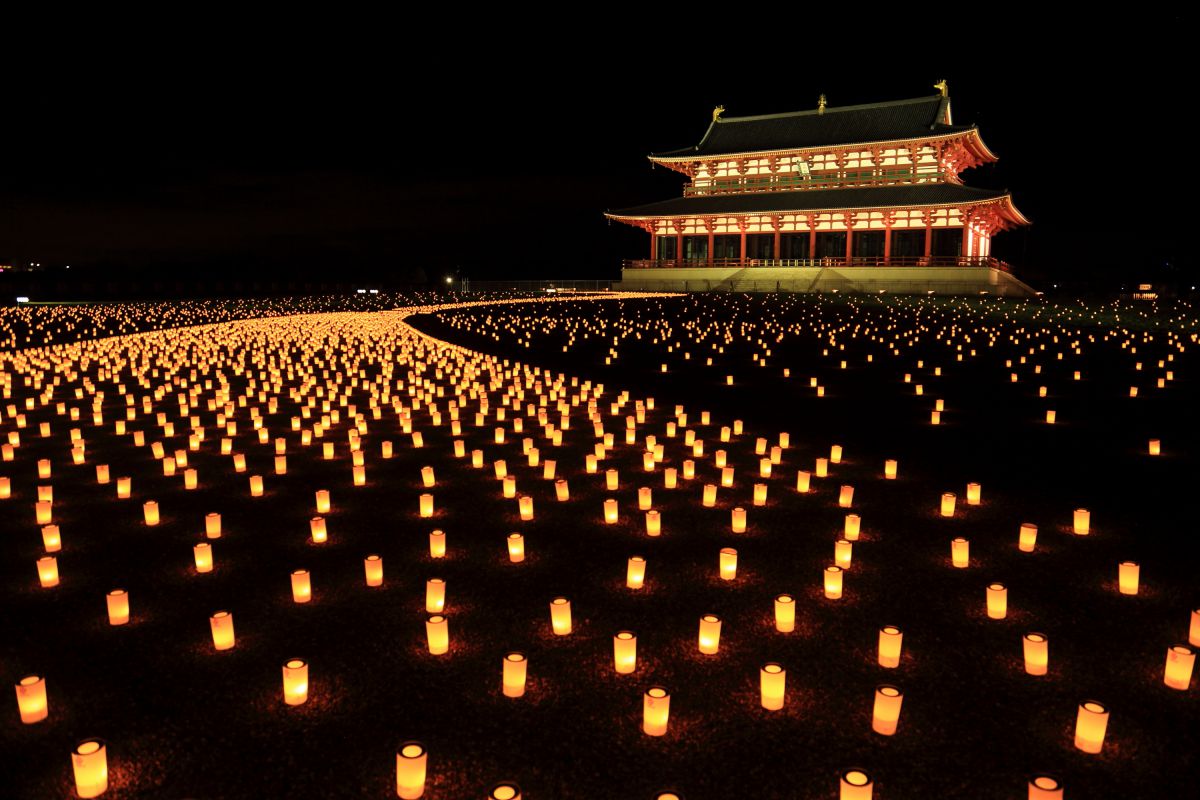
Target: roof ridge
column 830, row 109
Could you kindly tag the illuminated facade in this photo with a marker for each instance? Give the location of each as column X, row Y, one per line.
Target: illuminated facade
column 873, row 185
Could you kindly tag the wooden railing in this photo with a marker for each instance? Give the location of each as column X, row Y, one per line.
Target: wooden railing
column 792, row 182
column 856, row 261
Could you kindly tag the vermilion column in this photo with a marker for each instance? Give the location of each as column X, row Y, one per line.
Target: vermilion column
column 653, row 245
column 849, row 240
column 678, row 244
column 712, row 243
column 776, row 256
column 812, row 242
column 887, row 243
column 928, row 239
column 743, row 256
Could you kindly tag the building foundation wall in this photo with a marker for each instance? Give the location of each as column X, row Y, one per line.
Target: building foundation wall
column 896, row 280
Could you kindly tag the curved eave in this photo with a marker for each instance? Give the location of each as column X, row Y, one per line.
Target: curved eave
column 1008, row 211
column 981, row 150
column 667, row 161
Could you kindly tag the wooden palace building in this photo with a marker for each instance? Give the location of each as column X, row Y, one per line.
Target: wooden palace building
column 856, row 198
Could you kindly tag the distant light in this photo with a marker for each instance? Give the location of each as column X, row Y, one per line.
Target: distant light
column 361, row 291
column 374, row 291
column 22, row 299
column 449, row 279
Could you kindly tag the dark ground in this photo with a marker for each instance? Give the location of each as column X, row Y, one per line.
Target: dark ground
column 185, row 721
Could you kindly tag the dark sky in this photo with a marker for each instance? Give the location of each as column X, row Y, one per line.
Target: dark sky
column 380, row 151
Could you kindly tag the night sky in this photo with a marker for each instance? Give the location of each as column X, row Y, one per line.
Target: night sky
column 413, row 155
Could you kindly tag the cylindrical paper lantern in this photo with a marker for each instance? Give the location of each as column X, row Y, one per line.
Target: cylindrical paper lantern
column 846, row 497
column 855, row 784
column 437, row 632
column 373, row 567
column 891, row 640
column 435, row 596
column 997, row 601
column 301, row 586
column 785, row 613
column 728, row 564
column 89, row 762
column 426, row 505
column 203, row 556
column 653, row 523
column 221, row 624
column 505, row 790
column 948, row 504
column 625, row 652
column 1036, row 649
column 960, row 552
column 31, row 699
column 739, row 520
column 410, row 770
column 212, row 525
column 973, row 494
column 833, row 582
column 1128, row 575
column 1045, row 787
column 560, row 616
column 516, row 547
column 118, row 606
column 437, row 544
column 843, row 552
column 47, row 567
column 513, row 677
column 1082, row 521
column 887, row 709
column 852, row 527
column 150, row 512
column 772, row 678
column 1180, row 661
column 1090, row 725
column 295, row 681
column 890, row 468
column 316, row 526
column 635, row 572
column 656, row 710
column 710, row 634
column 1028, row 537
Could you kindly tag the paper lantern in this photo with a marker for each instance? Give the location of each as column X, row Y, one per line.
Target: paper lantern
column 124, row 486
column 435, row 596
column 508, row 486
column 239, row 462
column 202, row 554
column 47, row 567
column 6, row 488
column 31, row 699
column 842, row 553
column 1090, row 725
column 118, row 606
column 709, row 497
column 1045, row 787
column 256, row 486
column 1082, row 521
column 561, row 491
column 1180, row 660
column 822, row 468
column 1036, row 650
column 45, row 494
column 102, row 473
column 301, row 586
column 689, row 469
column 43, row 512
column 281, row 465
column 656, row 710
column 760, row 494
column 437, row 632
column 1028, row 537
column 635, row 572
column 852, row 527
column 653, row 523
column 43, row 468
column 727, row 477
column 973, row 494
column 772, row 678
column 221, row 624
column 1194, row 628
column 89, row 762
column 645, row 497
column 960, row 552
column 373, row 566
column 505, row 790
column 738, row 521
column 212, row 526
column 728, row 564
column 426, row 505
column 516, row 548
column 889, row 469
column 295, row 681
column 785, row 613
column 855, row 784
column 560, row 616
column 525, row 507
column 997, row 601
column 1155, row 447
column 710, row 634
column 410, row 770
column 670, row 478
column 948, row 504
column 1051, row 417
column 316, row 526
column 833, row 582
column 512, row 681
column 437, row 544
column 935, row 417
column 51, row 538
column 610, row 511
column 1128, row 573
column 891, row 638
column 887, row 709
column 625, row 652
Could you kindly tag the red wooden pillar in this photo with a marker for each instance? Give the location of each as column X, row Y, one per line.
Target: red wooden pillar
column 743, row 249
column 678, row 244
column 887, row 243
column 712, row 243
column 653, row 244
column 849, row 238
column 928, row 237
column 812, row 242
column 775, row 224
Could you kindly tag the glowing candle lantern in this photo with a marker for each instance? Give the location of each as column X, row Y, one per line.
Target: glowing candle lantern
column 322, row 501
column 89, row 762
column 656, row 710
column 373, row 567
column 410, row 770
column 239, row 462
column 316, row 526
column 1082, row 521
column 6, row 488
column 760, row 494
column 738, row 521
column 435, row 596
column 560, row 616
column 710, row 634
column 295, row 681
column 437, row 632
column 891, row 640
column 973, row 493
column 1045, row 787
column 47, row 567
column 855, row 784
column 505, row 790
column 124, row 485
column 51, row 538
column 709, row 498
column 508, row 486
column 477, row 459
column 670, row 478
column 516, row 547
column 1194, row 629
column 31, row 699
column 948, row 504
column 935, row 417
column 653, row 523
column 625, row 652
column 301, row 586
column 689, row 469
column 202, row 553
column 1155, row 447
column 887, row 709
column 359, row 474
column 822, row 468
column 1090, row 725
column 833, row 582
column 426, row 505
column 512, row 681
column 728, row 564
column 645, row 498
column 889, row 469
column 1051, row 417
column 803, row 481
column 1036, row 650
column 846, row 497
column 43, row 512
column 437, row 544
column 635, row 572
column 960, row 552
column 212, row 525
column 843, row 553
column 785, row 613
column 525, row 506
column 1028, row 537
column 610, row 511
column 118, row 606
column 281, row 465
column 1180, row 661
column 997, row 601
column 610, row 480
column 256, row 485
column 771, row 679
column 221, row 624
column 427, row 476
column 1128, row 573
column 43, row 468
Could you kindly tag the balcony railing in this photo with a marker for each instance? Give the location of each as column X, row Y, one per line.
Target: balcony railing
column 855, row 261
column 792, row 182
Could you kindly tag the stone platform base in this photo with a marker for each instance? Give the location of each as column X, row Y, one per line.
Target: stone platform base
column 894, row 280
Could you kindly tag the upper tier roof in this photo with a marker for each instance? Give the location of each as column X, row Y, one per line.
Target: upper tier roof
column 873, row 122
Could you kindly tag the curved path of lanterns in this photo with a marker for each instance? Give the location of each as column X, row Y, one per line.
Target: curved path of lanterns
column 337, row 555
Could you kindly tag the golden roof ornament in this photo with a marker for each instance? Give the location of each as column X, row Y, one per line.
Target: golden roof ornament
column 942, row 87
column 821, row 104
column 717, row 112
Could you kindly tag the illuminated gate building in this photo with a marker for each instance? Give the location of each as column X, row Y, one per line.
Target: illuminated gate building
column 858, row 198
